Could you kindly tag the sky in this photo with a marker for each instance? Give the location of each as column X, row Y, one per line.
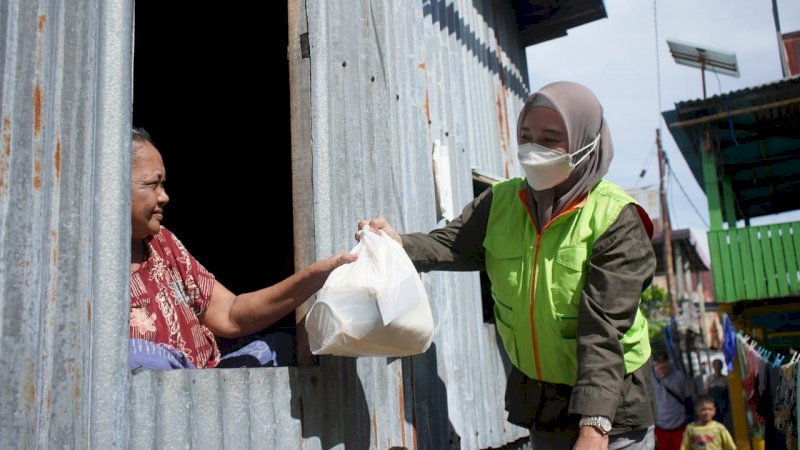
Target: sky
column 624, row 59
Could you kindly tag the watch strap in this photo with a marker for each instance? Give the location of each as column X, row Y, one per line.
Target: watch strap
column 601, row 423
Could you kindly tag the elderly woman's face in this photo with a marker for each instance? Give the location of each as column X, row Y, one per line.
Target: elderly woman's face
column 545, row 127
column 148, row 196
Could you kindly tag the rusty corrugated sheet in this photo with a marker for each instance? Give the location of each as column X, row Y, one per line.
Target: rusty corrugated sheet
column 388, row 79
column 64, row 223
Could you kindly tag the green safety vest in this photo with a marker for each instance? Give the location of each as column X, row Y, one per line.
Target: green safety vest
column 539, row 328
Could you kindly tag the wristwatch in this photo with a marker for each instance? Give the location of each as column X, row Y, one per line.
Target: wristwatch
column 603, row 424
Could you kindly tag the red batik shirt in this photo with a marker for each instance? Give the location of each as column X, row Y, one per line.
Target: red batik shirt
column 168, row 293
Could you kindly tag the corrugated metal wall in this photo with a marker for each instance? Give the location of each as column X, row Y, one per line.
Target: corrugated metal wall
column 64, row 222
column 387, row 81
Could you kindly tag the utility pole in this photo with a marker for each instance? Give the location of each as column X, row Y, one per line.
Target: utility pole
column 668, row 263
column 781, row 48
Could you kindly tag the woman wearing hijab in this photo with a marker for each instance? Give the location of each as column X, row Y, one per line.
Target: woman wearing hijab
column 568, row 255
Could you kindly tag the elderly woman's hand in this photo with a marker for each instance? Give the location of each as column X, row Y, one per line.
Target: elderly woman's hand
column 325, row 266
column 378, row 225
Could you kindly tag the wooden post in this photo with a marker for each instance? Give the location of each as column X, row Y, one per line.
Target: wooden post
column 302, row 186
column 669, row 266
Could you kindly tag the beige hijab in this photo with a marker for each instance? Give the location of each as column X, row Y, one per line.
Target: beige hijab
column 583, row 117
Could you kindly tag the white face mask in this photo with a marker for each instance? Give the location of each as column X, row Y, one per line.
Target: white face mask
column 545, row 168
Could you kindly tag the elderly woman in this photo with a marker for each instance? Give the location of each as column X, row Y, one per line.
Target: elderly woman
column 177, row 306
column 568, row 255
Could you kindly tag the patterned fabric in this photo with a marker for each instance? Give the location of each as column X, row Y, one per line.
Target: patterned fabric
column 149, row 355
column 711, row 436
column 784, row 404
column 750, row 384
column 168, row 293
column 255, row 354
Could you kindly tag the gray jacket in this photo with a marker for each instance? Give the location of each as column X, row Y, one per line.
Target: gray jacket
column 621, row 265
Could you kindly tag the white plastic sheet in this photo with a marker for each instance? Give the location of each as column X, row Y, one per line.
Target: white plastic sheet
column 375, row 306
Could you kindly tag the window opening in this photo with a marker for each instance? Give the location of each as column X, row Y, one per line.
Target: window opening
column 228, row 169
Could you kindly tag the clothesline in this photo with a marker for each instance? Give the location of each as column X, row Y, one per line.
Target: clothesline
column 769, row 357
column 769, row 382
column 731, row 336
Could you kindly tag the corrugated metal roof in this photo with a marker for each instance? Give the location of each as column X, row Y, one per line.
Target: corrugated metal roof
column 542, row 20
column 766, row 89
column 754, row 134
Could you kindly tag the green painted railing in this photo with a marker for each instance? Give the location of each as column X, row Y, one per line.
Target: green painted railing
column 756, row 262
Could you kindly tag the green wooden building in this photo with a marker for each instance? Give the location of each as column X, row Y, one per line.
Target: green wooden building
column 743, row 148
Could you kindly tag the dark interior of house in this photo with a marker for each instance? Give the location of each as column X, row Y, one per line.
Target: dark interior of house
column 212, row 89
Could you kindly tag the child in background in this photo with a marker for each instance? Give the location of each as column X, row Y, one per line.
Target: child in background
column 706, row 433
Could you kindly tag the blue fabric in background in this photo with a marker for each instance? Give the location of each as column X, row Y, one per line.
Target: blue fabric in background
column 676, row 364
column 728, row 341
column 271, row 350
column 149, row 355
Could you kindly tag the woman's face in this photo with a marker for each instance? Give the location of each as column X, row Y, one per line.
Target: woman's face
column 545, row 127
column 148, row 196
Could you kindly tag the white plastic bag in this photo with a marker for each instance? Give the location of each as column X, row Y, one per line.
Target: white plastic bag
column 375, row 306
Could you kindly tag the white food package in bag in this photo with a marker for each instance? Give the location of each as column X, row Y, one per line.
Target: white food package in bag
column 374, row 306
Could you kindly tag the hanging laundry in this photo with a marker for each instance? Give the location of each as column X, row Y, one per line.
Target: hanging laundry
column 770, row 382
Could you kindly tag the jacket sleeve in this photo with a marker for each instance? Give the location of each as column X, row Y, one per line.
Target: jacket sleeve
column 458, row 246
column 621, row 266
